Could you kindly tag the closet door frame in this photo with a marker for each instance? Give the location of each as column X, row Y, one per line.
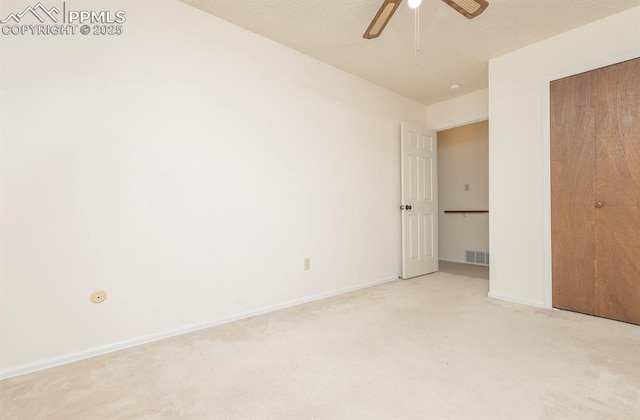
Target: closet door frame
column 546, row 150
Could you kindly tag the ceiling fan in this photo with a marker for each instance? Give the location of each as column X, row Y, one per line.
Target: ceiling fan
column 468, row 8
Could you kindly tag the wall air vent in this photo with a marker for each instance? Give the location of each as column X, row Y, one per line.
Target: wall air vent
column 476, row 257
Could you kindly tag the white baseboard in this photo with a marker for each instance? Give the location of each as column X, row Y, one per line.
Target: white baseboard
column 520, row 301
column 74, row 357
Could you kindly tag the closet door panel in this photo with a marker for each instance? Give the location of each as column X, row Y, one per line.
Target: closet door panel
column 618, row 192
column 573, row 192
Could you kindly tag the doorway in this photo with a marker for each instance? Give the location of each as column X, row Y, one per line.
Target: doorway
column 463, row 196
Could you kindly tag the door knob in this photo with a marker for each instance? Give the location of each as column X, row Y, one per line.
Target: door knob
column 408, row 207
column 599, row 204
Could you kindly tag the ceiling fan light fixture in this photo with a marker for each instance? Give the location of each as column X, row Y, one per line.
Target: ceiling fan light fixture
column 414, row 4
column 468, row 8
column 381, row 19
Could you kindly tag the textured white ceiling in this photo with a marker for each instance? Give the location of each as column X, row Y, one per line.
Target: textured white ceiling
column 453, row 48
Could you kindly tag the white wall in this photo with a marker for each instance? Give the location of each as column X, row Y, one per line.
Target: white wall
column 462, row 110
column 187, row 168
column 519, row 147
column 463, row 159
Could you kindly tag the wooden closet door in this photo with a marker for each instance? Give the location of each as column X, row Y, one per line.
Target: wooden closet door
column 617, row 204
column 573, row 192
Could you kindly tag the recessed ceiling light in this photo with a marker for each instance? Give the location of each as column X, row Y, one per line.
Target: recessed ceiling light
column 455, row 87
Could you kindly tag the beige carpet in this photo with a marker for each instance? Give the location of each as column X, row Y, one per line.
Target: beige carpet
column 433, row 347
column 469, row 270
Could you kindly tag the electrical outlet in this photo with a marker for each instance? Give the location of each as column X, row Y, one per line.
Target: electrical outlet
column 466, row 187
column 307, row 264
column 98, row 296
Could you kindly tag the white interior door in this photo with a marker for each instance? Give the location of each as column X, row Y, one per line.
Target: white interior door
column 419, row 201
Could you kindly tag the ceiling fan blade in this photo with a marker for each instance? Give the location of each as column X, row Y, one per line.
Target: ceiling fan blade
column 382, row 18
column 468, row 8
